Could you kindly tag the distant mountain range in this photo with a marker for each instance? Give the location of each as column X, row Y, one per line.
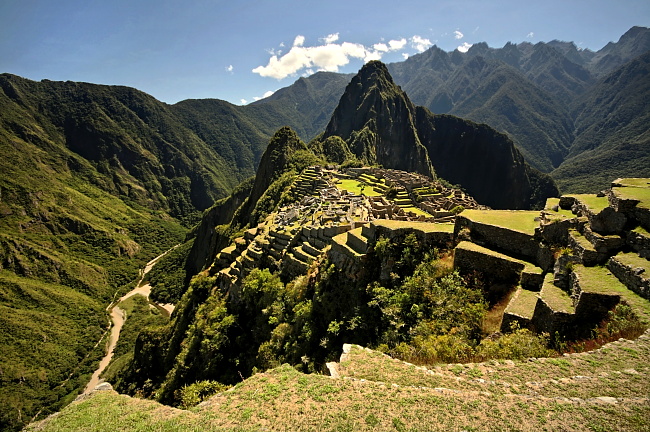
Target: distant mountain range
column 550, row 98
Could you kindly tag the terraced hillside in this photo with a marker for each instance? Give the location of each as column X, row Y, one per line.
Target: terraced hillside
column 561, row 271
column 322, row 205
column 571, row 264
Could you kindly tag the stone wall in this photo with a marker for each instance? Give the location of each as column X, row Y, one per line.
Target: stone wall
column 634, row 277
column 512, row 242
column 422, row 230
column 591, row 306
column 470, row 257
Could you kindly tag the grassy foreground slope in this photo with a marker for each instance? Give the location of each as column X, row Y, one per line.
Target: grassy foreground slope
column 601, row 390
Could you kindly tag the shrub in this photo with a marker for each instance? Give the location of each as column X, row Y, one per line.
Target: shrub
column 193, row 394
column 518, row 345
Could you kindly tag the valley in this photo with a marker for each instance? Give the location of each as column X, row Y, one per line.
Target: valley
column 118, row 317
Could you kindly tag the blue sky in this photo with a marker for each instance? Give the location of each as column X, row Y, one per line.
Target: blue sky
column 241, row 50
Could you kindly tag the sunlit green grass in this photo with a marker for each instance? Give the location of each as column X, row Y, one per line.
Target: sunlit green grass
column 518, row 220
column 356, row 187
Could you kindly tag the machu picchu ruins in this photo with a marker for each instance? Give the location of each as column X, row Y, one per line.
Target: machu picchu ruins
column 564, row 267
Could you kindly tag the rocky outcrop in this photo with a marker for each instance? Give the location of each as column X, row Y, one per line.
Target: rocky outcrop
column 207, row 241
column 284, row 144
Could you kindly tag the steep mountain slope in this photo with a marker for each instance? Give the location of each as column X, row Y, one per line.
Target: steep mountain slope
column 236, row 137
column 554, row 72
column 73, row 232
column 482, row 160
column 381, row 125
column 612, row 128
column 138, row 147
column 498, row 95
column 524, row 90
column 306, row 105
column 632, row 44
column 375, row 118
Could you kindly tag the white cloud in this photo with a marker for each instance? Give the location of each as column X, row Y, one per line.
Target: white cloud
column 273, row 52
column 230, row 68
column 330, row 38
column 405, row 55
column 329, row 56
column 381, row 47
column 530, row 35
column 243, row 101
column 464, row 47
column 396, row 45
column 458, row 34
column 299, row 41
column 267, row 94
column 420, row 44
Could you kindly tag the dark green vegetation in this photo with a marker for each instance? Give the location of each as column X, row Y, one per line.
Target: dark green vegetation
column 96, row 181
column 82, row 208
column 168, row 276
column 423, row 307
column 612, row 127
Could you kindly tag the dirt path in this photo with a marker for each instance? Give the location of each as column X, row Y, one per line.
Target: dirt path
column 118, row 317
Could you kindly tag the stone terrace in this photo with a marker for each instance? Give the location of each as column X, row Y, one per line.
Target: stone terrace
column 552, row 257
column 597, row 247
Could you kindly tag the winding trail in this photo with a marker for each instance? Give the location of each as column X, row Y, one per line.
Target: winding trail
column 118, row 317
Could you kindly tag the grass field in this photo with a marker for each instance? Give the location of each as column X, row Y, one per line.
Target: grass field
column 595, row 203
column 518, row 220
column 356, row 187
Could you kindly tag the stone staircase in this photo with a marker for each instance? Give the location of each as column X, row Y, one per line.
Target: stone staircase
column 308, row 245
column 352, row 243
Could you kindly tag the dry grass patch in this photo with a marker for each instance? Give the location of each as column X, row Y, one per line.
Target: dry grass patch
column 526, row 396
column 523, row 303
column 494, row 315
column 634, row 260
column 556, row 298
